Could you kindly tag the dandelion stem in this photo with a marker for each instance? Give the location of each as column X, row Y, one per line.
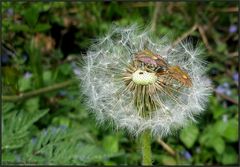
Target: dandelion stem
column 146, row 148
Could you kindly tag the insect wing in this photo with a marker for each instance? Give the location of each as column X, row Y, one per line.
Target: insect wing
column 146, row 57
column 150, row 54
column 177, row 73
column 147, row 60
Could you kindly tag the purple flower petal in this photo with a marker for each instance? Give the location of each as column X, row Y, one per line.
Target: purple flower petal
column 235, row 76
column 233, row 29
column 220, row 89
column 27, row 75
column 77, row 71
column 10, row 12
column 187, row 155
column 224, row 89
column 226, row 85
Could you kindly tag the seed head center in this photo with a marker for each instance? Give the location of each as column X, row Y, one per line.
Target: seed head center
column 141, row 77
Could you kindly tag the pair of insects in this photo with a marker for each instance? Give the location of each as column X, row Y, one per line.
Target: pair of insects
column 161, row 67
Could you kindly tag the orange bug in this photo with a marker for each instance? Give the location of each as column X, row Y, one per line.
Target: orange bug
column 161, row 67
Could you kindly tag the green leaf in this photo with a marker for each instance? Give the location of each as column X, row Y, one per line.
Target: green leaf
column 221, row 47
column 10, row 75
column 189, row 135
column 215, row 141
column 218, row 111
column 35, row 56
column 47, row 77
column 212, row 138
column 167, row 160
column 16, row 128
column 31, row 14
column 52, row 143
column 24, row 84
column 14, row 141
column 7, row 106
column 32, row 105
column 219, row 127
column 42, row 27
column 229, row 157
column 19, row 28
column 109, row 163
column 61, row 120
column 90, row 153
column 110, row 144
column 65, row 69
column 27, row 120
column 231, row 131
column 219, row 145
column 7, row 157
column 62, row 146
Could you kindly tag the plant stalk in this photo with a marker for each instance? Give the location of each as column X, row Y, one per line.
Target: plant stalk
column 146, row 148
column 24, row 96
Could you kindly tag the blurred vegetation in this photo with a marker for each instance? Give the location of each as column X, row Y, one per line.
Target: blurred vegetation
column 40, row 45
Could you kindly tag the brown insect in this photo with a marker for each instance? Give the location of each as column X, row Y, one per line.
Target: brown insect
column 178, row 74
column 148, row 57
column 161, row 67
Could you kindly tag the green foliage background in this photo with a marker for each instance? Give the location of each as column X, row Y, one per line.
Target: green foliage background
column 43, row 42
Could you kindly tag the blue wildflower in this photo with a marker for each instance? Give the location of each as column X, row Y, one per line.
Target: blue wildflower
column 77, row 71
column 233, row 28
column 27, row 75
column 186, row 154
column 10, row 12
column 224, row 89
column 235, row 76
column 75, row 68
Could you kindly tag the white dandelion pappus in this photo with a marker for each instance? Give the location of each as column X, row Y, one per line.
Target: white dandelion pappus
column 128, row 84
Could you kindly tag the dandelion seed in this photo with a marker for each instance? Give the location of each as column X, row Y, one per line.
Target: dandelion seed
column 140, row 83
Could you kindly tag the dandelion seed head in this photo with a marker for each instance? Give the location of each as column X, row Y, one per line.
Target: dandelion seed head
column 138, row 82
